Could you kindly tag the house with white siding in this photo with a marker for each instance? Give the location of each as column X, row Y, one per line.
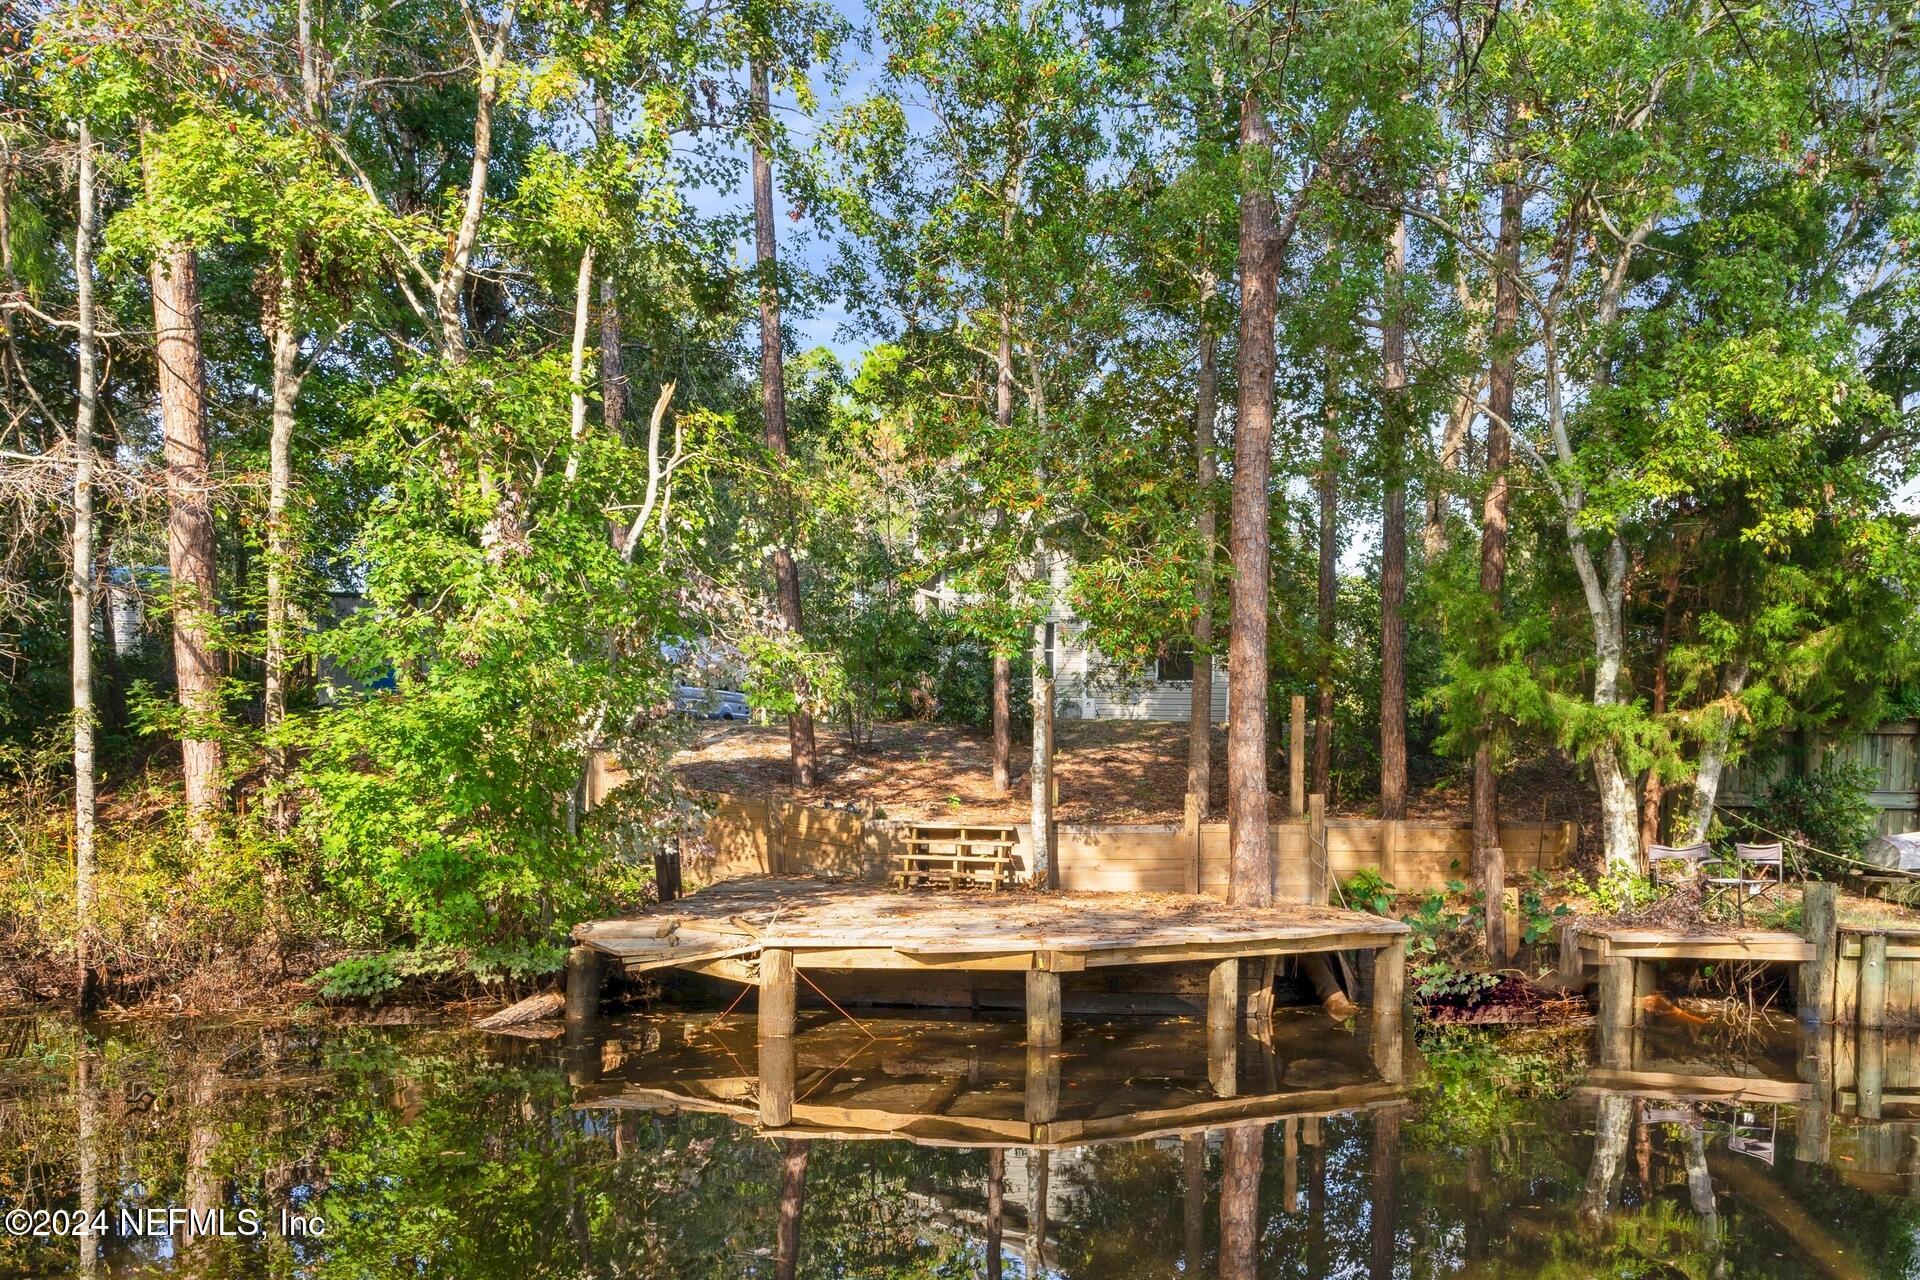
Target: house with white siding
column 1091, row 686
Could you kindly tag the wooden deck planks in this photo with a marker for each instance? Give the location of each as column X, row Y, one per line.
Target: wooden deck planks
column 837, row 921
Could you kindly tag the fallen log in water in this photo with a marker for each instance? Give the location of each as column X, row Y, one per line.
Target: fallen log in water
column 534, row 1008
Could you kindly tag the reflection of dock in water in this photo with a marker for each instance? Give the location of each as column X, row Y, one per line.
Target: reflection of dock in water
column 1847, row 1098
column 979, row 1084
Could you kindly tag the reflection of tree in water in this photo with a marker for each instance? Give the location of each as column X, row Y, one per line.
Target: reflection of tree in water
column 437, row 1154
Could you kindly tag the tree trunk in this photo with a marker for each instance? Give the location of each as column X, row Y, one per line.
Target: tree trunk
column 1653, row 791
column 87, row 1130
column 1250, row 865
column 577, row 362
column 1193, row 1186
column 996, row 1208
column 182, row 377
column 1002, row 667
column 1327, row 598
column 1041, row 777
column 1002, row 724
column 1613, row 1123
column 1713, row 755
column 1382, row 1215
column 1200, row 717
column 453, row 273
column 1393, row 531
column 1453, row 445
column 1619, row 807
column 793, row 1202
column 613, row 375
column 1241, row 1158
column 80, row 586
column 280, row 550
column 1489, row 857
column 773, row 403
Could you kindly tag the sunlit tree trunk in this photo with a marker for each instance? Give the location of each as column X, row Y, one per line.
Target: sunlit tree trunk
column 1713, row 755
column 188, row 447
column 1653, row 791
column 452, row 283
column 1200, row 718
column 1250, row 869
column 1489, row 857
column 280, row 548
column 773, row 405
column 1326, row 600
column 1393, row 530
column 80, row 585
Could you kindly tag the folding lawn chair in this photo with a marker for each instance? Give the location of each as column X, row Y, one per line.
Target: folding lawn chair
column 1693, row 855
column 1747, row 1139
column 1758, row 869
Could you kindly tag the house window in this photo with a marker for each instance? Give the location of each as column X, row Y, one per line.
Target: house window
column 1049, row 649
column 1176, row 664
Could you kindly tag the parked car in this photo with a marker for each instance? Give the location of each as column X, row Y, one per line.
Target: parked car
column 710, row 704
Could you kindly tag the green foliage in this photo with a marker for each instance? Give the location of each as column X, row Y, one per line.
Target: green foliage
column 515, row 636
column 1368, row 890
column 1828, row 807
column 1537, row 923
column 1612, row 892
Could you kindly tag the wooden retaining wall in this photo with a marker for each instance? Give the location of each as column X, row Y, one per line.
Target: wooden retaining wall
column 1901, row 983
column 762, row 837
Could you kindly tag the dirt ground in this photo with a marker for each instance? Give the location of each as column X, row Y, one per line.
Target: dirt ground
column 1110, row 771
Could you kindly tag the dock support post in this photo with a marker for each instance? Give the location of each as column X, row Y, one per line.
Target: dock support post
column 1043, row 1008
column 1873, row 981
column 1818, row 915
column 1389, row 995
column 1616, row 1012
column 1043, row 1083
column 1223, row 1028
column 776, row 1038
column 1571, row 965
column 586, row 966
column 1870, row 1071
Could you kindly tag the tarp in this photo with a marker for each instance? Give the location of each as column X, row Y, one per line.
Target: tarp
column 1901, row 852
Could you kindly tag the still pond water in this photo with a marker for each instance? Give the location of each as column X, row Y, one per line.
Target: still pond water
column 1710, row 1151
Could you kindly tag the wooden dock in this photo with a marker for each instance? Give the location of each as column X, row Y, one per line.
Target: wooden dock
column 767, row 932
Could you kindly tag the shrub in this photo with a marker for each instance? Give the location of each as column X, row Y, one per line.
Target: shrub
column 1829, row 808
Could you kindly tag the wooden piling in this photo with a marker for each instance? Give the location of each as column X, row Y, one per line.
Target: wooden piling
column 1819, row 919
column 1223, row 1028
column 1389, row 997
column 1870, row 1069
column 1873, row 981
column 1812, row 1142
column 776, row 1037
column 586, row 967
column 1297, row 758
column 1043, row 1008
column 1043, row 1083
column 1616, row 1012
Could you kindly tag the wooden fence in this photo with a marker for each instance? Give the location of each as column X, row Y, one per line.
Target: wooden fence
column 1889, row 752
column 763, row 837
